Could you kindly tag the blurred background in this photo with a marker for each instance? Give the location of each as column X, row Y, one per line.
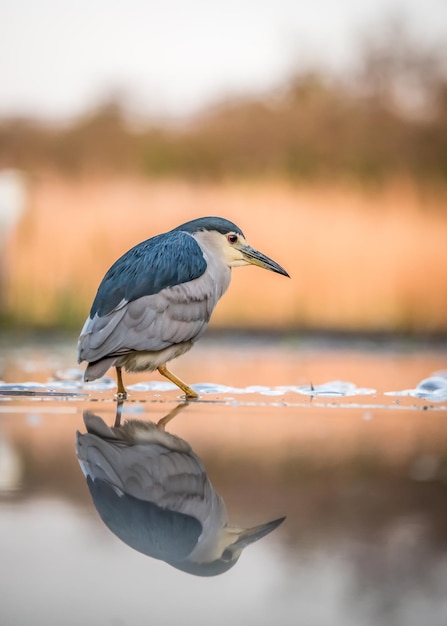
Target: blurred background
column 319, row 128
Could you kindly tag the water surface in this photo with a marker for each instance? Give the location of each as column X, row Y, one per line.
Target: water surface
column 349, row 443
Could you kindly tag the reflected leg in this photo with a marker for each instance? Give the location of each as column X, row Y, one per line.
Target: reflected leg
column 119, row 408
column 161, row 424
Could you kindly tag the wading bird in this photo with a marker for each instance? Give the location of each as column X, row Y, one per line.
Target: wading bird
column 156, row 300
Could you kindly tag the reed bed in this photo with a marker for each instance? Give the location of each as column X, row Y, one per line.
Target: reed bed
column 360, row 258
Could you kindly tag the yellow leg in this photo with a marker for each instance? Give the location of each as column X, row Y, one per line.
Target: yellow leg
column 189, row 393
column 121, row 393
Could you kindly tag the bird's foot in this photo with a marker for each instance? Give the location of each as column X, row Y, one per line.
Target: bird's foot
column 190, row 394
column 121, row 393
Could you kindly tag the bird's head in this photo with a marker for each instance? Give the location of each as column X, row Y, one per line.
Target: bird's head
column 227, row 240
column 227, row 549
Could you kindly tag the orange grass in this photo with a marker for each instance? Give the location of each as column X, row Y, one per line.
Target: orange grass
column 358, row 259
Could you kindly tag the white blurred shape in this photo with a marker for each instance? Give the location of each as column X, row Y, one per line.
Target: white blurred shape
column 13, row 194
column 433, row 388
column 11, row 467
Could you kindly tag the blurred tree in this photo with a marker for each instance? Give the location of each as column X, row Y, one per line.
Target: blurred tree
column 388, row 119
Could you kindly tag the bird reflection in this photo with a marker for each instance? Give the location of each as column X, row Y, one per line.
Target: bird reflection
column 153, row 492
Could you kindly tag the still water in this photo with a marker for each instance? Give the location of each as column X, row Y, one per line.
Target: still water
column 347, row 442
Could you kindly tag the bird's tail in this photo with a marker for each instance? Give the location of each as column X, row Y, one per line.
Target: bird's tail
column 96, row 369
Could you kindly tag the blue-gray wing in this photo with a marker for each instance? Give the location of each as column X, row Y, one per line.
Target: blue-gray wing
column 163, row 261
column 157, row 295
column 145, row 526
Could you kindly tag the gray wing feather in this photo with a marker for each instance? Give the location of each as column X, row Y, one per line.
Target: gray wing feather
column 173, row 480
column 104, row 327
column 175, row 315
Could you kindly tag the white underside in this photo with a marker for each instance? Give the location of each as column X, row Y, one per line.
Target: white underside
column 143, row 361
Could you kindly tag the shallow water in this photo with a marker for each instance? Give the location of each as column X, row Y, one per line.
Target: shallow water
column 348, row 441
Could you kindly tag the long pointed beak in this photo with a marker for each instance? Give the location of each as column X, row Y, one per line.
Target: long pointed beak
column 254, row 257
column 250, row 535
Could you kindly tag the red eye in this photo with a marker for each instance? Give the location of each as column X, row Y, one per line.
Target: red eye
column 232, row 238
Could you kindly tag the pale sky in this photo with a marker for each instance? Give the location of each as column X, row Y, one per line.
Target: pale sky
column 174, row 57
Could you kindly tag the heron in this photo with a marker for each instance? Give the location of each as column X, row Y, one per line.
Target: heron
column 156, row 300
column 152, row 491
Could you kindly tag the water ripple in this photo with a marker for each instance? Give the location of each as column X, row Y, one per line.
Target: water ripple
column 433, row 388
column 330, row 390
column 70, row 382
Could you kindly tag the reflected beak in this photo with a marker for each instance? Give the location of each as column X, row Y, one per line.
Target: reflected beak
column 250, row 535
column 254, row 257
